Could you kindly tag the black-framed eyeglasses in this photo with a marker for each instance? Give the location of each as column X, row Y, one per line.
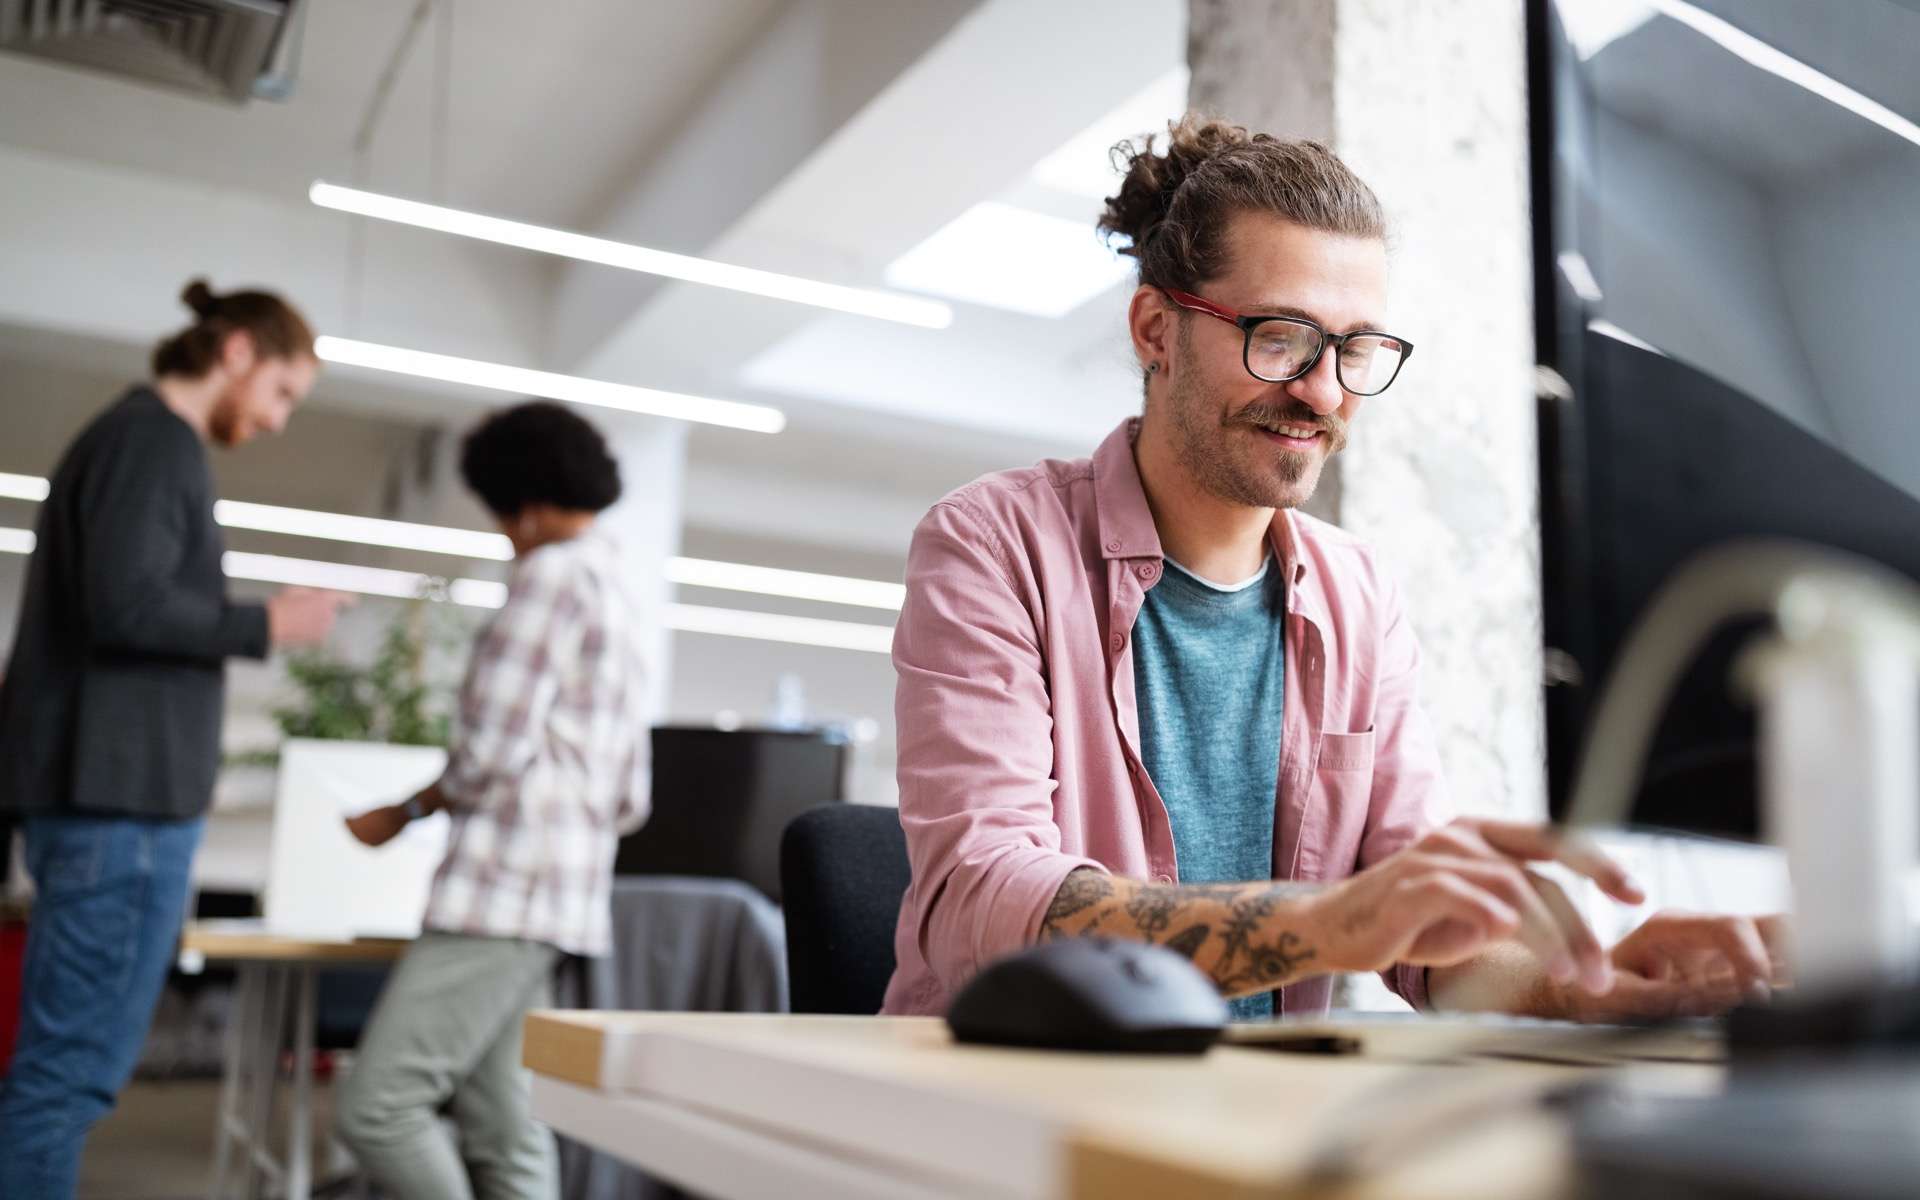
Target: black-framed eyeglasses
column 1278, row 349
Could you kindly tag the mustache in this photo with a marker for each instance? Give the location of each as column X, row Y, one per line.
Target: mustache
column 1290, row 414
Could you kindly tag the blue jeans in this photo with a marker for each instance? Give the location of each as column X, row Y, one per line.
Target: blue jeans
column 110, row 894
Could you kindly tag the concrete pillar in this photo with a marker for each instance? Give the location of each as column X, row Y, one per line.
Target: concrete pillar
column 653, row 459
column 1427, row 102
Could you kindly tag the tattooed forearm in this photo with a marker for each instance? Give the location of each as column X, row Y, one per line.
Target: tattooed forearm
column 1083, row 889
column 1152, row 910
column 1249, row 937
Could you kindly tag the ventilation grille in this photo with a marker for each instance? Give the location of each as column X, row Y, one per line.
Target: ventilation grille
column 230, row 49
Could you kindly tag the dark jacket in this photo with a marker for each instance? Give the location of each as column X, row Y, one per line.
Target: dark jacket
column 113, row 700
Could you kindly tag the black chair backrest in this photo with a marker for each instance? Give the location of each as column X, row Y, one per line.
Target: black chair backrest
column 843, row 872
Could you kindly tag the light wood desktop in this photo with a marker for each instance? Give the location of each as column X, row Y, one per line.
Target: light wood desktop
column 741, row 1106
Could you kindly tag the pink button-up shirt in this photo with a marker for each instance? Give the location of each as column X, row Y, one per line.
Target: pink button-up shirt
column 1020, row 740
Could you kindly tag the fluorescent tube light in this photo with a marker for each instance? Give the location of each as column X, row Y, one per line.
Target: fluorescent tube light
column 367, row 581
column 1012, row 258
column 1752, row 50
column 487, row 593
column 22, row 487
column 907, row 310
column 364, row 531
column 472, row 543
column 478, row 593
column 772, row 581
column 774, row 627
column 308, row 572
column 527, row 382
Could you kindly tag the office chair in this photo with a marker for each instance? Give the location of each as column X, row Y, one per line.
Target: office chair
column 843, row 871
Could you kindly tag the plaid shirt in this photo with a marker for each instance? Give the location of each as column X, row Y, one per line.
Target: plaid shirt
column 549, row 758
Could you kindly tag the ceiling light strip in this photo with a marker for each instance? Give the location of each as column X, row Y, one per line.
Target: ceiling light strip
column 773, row 581
column 493, row 547
column 885, row 306
column 775, row 627
column 364, row 531
column 313, row 573
column 23, row 487
column 486, row 593
column 524, row 381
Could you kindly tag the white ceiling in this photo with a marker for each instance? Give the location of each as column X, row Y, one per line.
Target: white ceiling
column 816, row 136
column 552, row 105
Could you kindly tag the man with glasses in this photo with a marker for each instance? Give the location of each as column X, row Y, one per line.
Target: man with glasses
column 1142, row 696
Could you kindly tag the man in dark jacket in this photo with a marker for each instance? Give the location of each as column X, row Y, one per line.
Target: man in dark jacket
column 111, row 708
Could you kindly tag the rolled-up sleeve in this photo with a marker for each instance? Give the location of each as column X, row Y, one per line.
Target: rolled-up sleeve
column 1409, row 786
column 975, row 750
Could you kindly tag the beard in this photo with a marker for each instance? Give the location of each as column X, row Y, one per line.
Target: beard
column 1230, row 459
column 224, row 425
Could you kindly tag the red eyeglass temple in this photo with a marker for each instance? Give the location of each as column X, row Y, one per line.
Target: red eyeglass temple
column 1189, row 300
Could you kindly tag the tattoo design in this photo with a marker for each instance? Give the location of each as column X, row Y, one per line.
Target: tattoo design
column 1271, row 962
column 1152, row 910
column 1083, row 888
column 1265, row 962
column 1188, row 941
column 1250, row 955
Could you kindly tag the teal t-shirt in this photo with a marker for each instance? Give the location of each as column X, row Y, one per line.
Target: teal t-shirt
column 1209, row 678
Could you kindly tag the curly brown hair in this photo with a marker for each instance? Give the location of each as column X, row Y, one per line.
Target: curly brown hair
column 277, row 328
column 1174, row 205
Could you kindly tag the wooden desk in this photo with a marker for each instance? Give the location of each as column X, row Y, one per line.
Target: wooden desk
column 273, row 1003
column 742, row 1106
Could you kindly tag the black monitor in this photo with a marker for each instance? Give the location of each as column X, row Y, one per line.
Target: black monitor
column 722, row 800
column 1727, row 281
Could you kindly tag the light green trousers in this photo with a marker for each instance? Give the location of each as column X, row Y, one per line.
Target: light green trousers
column 445, row 1037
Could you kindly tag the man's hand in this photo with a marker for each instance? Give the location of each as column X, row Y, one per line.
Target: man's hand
column 378, row 826
column 299, row 616
column 1685, row 965
column 1463, row 888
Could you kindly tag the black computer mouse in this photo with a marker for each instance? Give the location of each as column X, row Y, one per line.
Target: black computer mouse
column 1091, row 994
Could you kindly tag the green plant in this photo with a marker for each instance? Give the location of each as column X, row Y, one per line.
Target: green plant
column 394, row 699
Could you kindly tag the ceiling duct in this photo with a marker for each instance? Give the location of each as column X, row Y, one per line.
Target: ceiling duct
column 232, row 50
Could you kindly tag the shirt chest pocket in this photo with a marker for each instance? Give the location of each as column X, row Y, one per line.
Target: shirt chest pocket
column 1344, row 753
column 1340, row 794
